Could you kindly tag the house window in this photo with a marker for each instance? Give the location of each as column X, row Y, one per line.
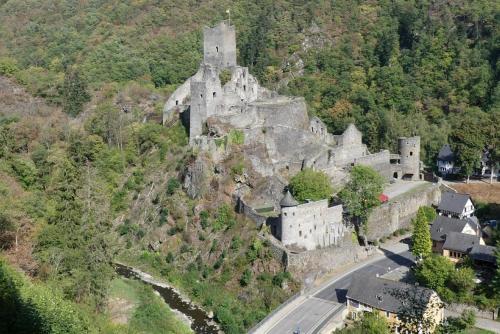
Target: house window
column 354, row 315
column 284, row 213
column 300, row 233
column 201, row 95
column 214, row 94
column 293, row 213
column 217, row 49
column 176, row 102
column 411, row 153
column 245, row 88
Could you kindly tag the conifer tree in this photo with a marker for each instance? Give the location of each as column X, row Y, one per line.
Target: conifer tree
column 75, row 93
column 422, row 244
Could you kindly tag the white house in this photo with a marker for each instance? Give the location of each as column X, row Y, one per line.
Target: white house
column 446, row 161
column 456, row 205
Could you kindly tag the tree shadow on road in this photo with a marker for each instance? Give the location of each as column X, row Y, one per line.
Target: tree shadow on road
column 399, row 259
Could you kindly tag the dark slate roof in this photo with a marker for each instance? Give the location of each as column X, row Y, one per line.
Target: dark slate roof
column 460, row 242
column 483, row 253
column 288, row 200
column 446, row 154
column 442, row 225
column 387, row 295
column 453, row 202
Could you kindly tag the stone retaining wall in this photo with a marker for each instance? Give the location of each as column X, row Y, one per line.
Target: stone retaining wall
column 308, row 265
column 311, row 264
column 397, row 213
column 459, row 308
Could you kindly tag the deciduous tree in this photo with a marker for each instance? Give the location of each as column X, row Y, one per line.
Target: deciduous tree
column 310, row 185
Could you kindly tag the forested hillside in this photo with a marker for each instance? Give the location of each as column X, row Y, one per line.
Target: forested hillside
column 84, row 181
column 394, row 67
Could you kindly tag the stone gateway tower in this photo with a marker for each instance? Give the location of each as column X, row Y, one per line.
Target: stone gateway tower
column 219, row 45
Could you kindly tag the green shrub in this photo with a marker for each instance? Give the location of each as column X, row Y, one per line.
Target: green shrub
column 172, row 185
column 311, row 185
column 8, row 66
column 236, row 137
column 224, row 218
column 25, row 171
column 170, row 257
column 246, row 277
column 224, row 76
column 236, row 243
column 238, row 168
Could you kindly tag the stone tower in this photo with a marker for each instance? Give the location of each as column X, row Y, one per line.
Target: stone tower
column 288, row 225
column 219, row 45
column 409, row 151
column 206, row 96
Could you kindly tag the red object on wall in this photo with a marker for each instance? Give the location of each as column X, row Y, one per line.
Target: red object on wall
column 383, row 198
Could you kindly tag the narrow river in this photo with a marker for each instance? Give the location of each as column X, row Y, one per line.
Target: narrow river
column 200, row 322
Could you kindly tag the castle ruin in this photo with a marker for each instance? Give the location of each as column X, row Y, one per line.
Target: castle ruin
column 280, row 138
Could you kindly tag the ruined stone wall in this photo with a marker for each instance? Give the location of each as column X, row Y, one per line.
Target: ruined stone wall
column 345, row 155
column 320, row 129
column 181, row 96
column 379, row 161
column 398, row 212
column 245, row 209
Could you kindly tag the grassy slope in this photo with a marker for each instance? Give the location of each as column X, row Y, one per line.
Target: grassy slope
column 145, row 312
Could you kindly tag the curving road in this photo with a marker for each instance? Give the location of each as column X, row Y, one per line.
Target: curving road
column 312, row 312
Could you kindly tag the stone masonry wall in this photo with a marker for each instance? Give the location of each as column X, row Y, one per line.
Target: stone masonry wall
column 379, row 161
column 313, row 263
column 397, row 213
column 309, row 265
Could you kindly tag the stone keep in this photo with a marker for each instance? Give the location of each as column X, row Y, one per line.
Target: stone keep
column 219, row 45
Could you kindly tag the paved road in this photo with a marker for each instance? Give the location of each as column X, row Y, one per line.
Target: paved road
column 336, row 291
column 315, row 311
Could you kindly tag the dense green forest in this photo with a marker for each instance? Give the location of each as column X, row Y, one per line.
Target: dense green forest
column 394, row 67
column 84, row 181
